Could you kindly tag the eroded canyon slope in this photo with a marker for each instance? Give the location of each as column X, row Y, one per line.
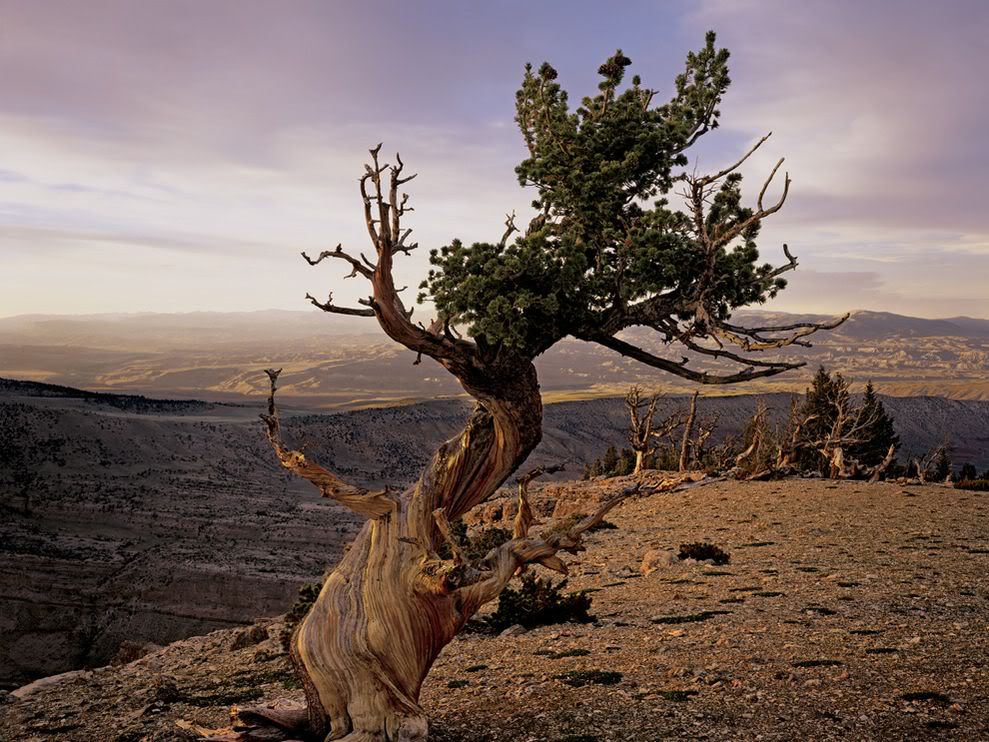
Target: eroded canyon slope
column 152, row 520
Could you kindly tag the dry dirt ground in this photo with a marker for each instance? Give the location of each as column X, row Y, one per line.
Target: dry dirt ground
column 848, row 611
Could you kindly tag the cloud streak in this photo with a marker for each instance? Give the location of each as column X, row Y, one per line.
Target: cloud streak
column 178, row 156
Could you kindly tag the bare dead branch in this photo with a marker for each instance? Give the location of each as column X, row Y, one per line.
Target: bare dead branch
column 786, row 328
column 328, row 306
column 509, row 229
column 680, row 369
column 366, row 198
column 924, row 464
column 337, row 252
column 641, row 416
column 524, row 517
column 728, row 355
column 758, row 428
column 503, row 561
column 760, row 213
column 786, row 456
column 400, row 246
column 668, row 426
column 383, row 209
column 688, row 429
column 883, row 465
column 709, row 179
column 749, row 339
column 369, row 504
column 765, row 186
column 705, row 429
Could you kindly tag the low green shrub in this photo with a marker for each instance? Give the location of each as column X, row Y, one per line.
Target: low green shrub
column 569, row 653
column 476, row 547
column 926, row 695
column 677, row 696
column 538, row 602
column 690, row 618
column 580, row 678
column 703, row 551
column 565, row 524
column 307, row 596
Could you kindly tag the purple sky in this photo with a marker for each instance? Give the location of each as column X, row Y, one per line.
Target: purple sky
column 176, row 156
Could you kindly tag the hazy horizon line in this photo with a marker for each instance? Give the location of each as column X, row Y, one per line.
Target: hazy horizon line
column 315, row 311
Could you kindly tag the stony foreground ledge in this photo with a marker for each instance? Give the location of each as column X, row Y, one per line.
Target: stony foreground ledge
column 848, row 611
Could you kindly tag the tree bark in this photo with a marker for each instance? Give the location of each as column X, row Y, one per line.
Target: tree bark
column 640, row 459
column 640, row 430
column 392, row 604
column 688, row 429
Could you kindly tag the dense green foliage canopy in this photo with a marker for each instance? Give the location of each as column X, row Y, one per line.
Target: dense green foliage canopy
column 598, row 247
column 606, row 251
column 879, row 433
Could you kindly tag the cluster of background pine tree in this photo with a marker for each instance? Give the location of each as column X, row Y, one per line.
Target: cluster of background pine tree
column 820, row 405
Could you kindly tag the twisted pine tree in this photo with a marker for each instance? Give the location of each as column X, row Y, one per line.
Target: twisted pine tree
column 879, row 434
column 605, row 252
column 825, row 398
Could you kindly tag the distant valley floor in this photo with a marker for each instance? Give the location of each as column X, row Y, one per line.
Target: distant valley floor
column 335, row 362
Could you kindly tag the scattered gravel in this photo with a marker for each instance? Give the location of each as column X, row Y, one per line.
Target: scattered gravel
column 848, row 611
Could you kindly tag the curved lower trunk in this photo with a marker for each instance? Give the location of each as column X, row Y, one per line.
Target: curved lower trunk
column 391, row 604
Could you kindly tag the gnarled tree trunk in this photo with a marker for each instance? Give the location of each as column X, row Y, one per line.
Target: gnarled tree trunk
column 640, row 462
column 392, row 604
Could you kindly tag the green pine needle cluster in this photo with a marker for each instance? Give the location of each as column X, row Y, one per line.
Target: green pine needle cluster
column 605, row 234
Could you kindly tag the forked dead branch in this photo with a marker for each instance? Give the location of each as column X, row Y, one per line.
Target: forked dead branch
column 595, row 260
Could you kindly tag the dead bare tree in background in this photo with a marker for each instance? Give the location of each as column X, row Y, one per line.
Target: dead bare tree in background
column 758, row 438
column 851, row 427
column 698, row 444
column 934, row 465
column 688, row 430
column 645, row 433
column 640, row 433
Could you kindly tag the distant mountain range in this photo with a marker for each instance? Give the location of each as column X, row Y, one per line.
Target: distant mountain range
column 341, row 362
